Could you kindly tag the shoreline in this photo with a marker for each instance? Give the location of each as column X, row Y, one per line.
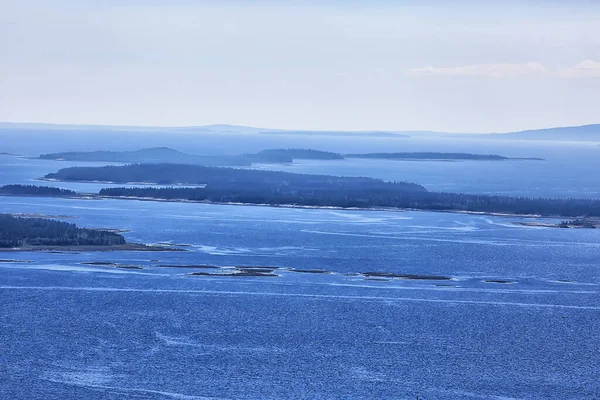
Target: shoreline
column 182, row 185
column 90, row 248
column 300, row 206
column 95, row 196
column 37, row 215
column 591, row 223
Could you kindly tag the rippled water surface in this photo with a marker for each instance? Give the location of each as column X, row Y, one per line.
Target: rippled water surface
column 517, row 316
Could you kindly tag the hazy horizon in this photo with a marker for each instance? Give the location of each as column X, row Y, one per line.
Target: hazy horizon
column 274, row 128
column 468, row 67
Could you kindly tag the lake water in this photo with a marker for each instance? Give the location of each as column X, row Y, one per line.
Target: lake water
column 71, row 330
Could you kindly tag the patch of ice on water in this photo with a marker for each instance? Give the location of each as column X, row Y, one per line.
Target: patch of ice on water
column 463, row 228
column 222, row 251
column 78, row 268
column 420, row 238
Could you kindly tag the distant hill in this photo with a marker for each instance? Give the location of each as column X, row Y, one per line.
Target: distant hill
column 217, row 128
column 589, row 133
column 202, row 129
column 336, row 133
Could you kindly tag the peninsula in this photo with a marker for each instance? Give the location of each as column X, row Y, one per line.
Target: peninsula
column 230, row 185
column 31, row 190
column 41, row 234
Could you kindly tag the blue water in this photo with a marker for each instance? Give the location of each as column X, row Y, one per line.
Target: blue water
column 74, row 331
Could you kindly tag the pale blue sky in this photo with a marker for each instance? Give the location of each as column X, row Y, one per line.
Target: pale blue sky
column 463, row 66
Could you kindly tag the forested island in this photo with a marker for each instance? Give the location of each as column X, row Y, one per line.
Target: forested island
column 168, row 155
column 159, row 155
column 236, row 181
column 31, row 190
column 151, row 155
column 230, row 185
column 18, row 232
column 289, row 155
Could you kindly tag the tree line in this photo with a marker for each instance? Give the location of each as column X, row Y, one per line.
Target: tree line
column 19, row 232
column 245, row 180
column 372, row 198
column 32, row 190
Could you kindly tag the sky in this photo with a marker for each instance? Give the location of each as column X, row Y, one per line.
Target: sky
column 453, row 66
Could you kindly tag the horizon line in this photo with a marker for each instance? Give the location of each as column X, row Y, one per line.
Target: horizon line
column 260, row 129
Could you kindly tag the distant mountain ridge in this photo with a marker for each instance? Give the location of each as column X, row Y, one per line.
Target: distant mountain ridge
column 216, row 128
column 589, row 133
column 568, row 133
column 202, row 129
